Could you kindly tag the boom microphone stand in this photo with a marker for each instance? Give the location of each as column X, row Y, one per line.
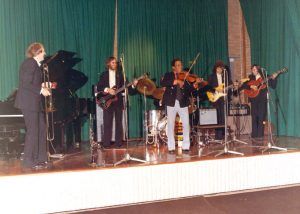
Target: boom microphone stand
column 127, row 156
column 226, row 150
column 270, row 144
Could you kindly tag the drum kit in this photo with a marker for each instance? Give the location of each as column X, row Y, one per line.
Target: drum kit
column 155, row 121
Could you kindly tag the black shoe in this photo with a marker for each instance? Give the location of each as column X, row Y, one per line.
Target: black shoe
column 39, row 166
column 45, row 164
column 186, row 150
column 118, row 145
column 106, row 147
column 172, row 151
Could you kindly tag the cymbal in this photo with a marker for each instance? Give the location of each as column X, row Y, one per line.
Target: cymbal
column 158, row 93
column 146, row 86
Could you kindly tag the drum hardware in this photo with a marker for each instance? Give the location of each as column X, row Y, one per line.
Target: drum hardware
column 153, row 118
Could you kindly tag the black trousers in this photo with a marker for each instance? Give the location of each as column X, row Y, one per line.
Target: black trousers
column 35, row 148
column 258, row 115
column 113, row 112
column 219, row 105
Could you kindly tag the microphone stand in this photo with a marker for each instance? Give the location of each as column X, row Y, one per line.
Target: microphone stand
column 127, row 156
column 270, row 144
column 226, row 149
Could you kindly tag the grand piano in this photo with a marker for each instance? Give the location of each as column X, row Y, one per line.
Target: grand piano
column 11, row 129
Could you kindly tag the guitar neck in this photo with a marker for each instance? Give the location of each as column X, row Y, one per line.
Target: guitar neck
column 123, row 87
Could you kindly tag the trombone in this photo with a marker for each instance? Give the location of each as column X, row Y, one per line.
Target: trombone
column 49, row 107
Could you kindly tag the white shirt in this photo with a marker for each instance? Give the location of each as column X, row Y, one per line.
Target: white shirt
column 219, row 76
column 257, row 76
column 112, row 79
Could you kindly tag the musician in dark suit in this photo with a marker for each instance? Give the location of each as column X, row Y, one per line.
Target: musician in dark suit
column 110, row 80
column 258, row 103
column 29, row 99
column 214, row 80
column 176, row 98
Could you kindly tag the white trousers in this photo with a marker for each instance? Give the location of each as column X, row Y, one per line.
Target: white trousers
column 184, row 116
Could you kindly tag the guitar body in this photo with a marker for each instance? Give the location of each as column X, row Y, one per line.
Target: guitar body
column 252, row 92
column 214, row 96
column 104, row 100
column 260, row 84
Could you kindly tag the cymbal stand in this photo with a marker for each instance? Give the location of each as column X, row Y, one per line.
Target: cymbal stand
column 127, row 156
column 270, row 144
column 93, row 143
column 226, row 149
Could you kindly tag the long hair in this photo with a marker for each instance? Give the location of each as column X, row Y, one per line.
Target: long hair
column 34, row 49
column 258, row 69
column 109, row 59
column 219, row 63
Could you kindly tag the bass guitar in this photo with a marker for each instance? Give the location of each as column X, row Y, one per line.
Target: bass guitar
column 214, row 96
column 104, row 99
column 260, row 84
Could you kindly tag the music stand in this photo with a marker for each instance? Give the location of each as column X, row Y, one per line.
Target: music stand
column 270, row 144
column 226, row 149
column 127, row 156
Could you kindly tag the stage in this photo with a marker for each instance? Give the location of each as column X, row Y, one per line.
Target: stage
column 73, row 184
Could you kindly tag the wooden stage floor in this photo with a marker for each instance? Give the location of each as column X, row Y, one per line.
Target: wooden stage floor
column 80, row 160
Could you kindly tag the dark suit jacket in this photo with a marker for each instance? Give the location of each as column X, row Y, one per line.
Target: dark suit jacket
column 213, row 80
column 104, row 83
column 30, row 79
column 169, row 97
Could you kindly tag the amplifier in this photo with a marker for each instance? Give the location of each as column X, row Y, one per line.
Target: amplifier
column 208, row 116
column 239, row 110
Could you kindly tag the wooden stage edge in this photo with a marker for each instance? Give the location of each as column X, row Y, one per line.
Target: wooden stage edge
column 73, row 184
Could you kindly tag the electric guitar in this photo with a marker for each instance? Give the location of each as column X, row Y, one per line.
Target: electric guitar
column 104, row 99
column 260, row 84
column 214, row 96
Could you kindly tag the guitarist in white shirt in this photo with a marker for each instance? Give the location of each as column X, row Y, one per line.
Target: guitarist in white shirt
column 111, row 80
column 216, row 79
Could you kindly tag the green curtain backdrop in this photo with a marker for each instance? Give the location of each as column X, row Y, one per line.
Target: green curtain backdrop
column 85, row 27
column 152, row 33
column 82, row 26
column 273, row 27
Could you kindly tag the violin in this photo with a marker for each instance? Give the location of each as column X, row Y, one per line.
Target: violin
column 191, row 78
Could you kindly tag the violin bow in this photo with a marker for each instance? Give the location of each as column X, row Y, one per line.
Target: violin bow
column 193, row 63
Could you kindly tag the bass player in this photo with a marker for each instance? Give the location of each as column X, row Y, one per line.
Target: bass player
column 110, row 80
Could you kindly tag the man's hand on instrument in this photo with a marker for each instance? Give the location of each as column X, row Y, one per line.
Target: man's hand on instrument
column 135, row 82
column 220, row 90
column 51, row 85
column 273, row 76
column 254, row 87
column 45, row 92
column 179, row 82
column 198, row 80
column 111, row 91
